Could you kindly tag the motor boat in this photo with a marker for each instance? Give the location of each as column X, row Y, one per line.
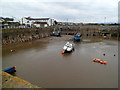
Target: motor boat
column 56, row 33
column 68, row 47
column 77, row 37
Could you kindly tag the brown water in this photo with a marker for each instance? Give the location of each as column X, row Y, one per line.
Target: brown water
column 42, row 63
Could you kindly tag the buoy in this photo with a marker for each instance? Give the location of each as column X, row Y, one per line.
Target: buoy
column 105, row 62
column 101, row 62
column 63, row 52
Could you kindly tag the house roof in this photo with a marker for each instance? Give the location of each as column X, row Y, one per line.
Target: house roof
column 6, row 19
column 29, row 18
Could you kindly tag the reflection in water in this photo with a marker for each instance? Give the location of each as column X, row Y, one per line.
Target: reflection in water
column 67, row 54
column 42, row 63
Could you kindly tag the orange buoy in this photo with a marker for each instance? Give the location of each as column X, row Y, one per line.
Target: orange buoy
column 104, row 62
column 62, row 52
column 101, row 62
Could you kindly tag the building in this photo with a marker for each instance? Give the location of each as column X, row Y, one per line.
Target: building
column 6, row 19
column 8, row 22
column 37, row 22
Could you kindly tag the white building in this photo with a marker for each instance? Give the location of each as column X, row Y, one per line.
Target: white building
column 8, row 22
column 38, row 22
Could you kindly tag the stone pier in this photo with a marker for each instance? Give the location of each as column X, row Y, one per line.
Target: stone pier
column 9, row 81
column 23, row 35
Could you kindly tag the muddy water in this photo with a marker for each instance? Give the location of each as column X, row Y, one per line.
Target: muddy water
column 42, row 63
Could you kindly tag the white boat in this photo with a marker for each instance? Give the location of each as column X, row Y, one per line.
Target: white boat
column 68, row 47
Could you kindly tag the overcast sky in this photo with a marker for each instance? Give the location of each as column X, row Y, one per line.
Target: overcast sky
column 63, row 10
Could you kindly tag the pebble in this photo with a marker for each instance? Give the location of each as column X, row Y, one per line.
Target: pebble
column 12, row 50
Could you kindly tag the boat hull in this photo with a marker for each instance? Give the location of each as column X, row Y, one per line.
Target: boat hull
column 10, row 70
column 56, row 34
column 68, row 47
column 66, row 51
column 76, row 38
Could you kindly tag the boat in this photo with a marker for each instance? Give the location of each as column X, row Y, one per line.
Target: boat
column 68, row 47
column 99, row 61
column 10, row 70
column 56, row 33
column 77, row 37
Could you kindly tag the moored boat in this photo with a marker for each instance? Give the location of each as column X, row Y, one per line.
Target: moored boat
column 56, row 33
column 68, row 47
column 10, row 70
column 77, row 37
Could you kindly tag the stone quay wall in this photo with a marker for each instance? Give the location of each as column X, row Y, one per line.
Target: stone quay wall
column 90, row 30
column 13, row 82
column 9, row 36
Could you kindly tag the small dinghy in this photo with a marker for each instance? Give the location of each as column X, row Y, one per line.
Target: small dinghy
column 10, row 70
column 56, row 33
column 68, row 47
column 77, row 37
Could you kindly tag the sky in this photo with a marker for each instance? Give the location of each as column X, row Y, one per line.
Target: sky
column 80, row 11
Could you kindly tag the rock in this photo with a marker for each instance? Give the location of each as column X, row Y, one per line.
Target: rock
column 12, row 50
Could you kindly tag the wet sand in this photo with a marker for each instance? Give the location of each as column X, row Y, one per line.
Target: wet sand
column 41, row 63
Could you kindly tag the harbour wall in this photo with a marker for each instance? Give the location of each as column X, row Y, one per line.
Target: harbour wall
column 90, row 30
column 9, row 36
column 9, row 81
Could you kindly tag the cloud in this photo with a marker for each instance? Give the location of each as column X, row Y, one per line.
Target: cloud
column 63, row 10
